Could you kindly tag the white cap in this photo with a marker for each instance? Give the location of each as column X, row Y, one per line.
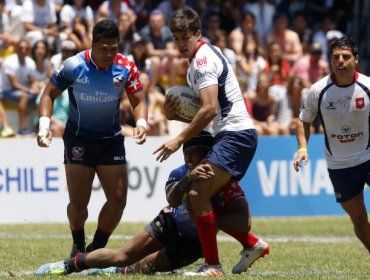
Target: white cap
column 333, row 34
column 68, row 45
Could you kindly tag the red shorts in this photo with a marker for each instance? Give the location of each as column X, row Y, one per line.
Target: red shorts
column 232, row 190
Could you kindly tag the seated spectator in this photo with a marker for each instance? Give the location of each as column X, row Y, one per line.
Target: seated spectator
column 262, row 104
column 79, row 34
column 40, row 54
column 168, row 7
column 220, row 41
column 264, row 13
column 305, row 72
column 292, row 48
column 212, row 26
column 7, row 40
column 279, row 70
column 247, row 31
column 18, row 83
column 127, row 31
column 68, row 49
column 250, row 64
column 81, row 9
column 5, row 129
column 111, row 9
column 40, row 21
column 159, row 44
column 299, row 26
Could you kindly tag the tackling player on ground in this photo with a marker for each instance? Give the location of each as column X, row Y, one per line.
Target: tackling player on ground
column 170, row 241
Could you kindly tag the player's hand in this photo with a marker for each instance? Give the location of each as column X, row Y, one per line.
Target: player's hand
column 300, row 157
column 140, row 135
column 167, row 149
column 201, row 172
column 171, row 106
column 44, row 137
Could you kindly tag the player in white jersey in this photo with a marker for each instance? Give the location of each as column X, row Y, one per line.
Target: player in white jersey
column 342, row 102
column 210, row 76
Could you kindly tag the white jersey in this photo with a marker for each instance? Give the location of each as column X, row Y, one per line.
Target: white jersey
column 209, row 67
column 344, row 113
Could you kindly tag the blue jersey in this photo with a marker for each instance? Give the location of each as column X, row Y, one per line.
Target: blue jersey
column 95, row 94
column 184, row 223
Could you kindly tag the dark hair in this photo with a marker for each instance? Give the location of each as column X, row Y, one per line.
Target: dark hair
column 185, row 19
column 247, row 14
column 105, row 29
column 344, row 43
column 203, row 139
column 33, row 50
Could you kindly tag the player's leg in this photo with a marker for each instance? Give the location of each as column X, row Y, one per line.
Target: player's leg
column 225, row 163
column 113, row 179
column 111, row 170
column 79, row 182
column 356, row 210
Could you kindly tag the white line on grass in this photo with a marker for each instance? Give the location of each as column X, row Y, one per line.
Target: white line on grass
column 270, row 238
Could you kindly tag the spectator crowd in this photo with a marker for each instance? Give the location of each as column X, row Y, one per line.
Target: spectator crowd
column 277, row 49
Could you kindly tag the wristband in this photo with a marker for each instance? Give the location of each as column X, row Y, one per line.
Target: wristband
column 141, row 122
column 302, row 150
column 44, row 123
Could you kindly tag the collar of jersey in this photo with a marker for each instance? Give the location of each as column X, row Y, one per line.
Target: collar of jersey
column 89, row 58
column 355, row 77
column 201, row 43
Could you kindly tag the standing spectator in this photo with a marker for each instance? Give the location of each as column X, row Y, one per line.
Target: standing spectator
column 286, row 37
column 40, row 21
column 19, row 84
column 93, row 141
column 220, row 41
column 210, row 76
column 305, row 72
column 342, row 101
column 212, row 26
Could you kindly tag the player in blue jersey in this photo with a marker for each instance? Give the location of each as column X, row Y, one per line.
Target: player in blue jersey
column 222, row 104
column 171, row 241
column 93, row 142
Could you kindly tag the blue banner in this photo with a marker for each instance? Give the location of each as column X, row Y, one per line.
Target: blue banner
column 274, row 188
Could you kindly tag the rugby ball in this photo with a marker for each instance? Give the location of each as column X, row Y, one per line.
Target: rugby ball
column 189, row 101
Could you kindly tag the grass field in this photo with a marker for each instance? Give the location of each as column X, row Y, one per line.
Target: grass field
column 301, row 248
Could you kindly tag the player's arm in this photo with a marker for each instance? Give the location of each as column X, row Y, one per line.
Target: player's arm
column 176, row 192
column 45, row 109
column 302, row 134
column 137, row 101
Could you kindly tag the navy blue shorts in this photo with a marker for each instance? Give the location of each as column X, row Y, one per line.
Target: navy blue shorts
column 93, row 152
column 181, row 251
column 234, row 151
column 349, row 182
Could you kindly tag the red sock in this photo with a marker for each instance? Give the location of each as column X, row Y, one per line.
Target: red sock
column 247, row 239
column 207, row 230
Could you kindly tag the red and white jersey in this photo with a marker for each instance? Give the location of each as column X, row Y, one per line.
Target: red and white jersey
column 344, row 113
column 209, row 67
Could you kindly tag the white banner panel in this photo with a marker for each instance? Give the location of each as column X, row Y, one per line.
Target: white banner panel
column 33, row 184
